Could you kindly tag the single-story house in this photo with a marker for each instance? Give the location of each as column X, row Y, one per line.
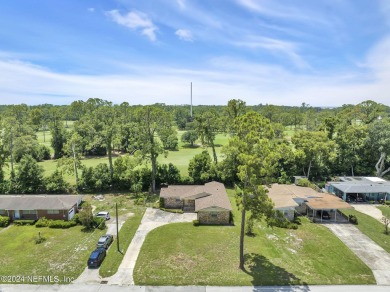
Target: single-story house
column 210, row 201
column 58, row 207
column 359, row 189
column 289, row 199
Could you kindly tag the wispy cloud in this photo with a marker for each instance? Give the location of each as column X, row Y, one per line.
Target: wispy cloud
column 91, row 9
column 276, row 47
column 184, row 35
column 135, row 20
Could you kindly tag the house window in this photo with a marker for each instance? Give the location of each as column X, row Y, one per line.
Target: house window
column 178, row 200
column 53, row 211
column 214, row 214
column 29, row 212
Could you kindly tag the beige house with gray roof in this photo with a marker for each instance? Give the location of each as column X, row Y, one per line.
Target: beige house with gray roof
column 210, row 201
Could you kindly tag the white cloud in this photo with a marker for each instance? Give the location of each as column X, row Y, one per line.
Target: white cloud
column 135, row 20
column 91, row 9
column 184, row 35
column 275, row 47
column 225, row 78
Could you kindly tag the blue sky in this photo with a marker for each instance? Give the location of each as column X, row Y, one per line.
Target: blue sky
column 323, row 53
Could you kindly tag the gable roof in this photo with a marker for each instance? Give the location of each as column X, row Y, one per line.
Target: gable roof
column 38, row 202
column 209, row 195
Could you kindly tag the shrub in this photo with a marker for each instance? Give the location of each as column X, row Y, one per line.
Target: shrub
column 39, row 239
column 61, row 224
column 99, row 222
column 372, row 202
column 21, row 222
column 353, row 219
column 42, row 222
column 4, row 221
column 162, row 203
column 76, row 218
column 196, row 222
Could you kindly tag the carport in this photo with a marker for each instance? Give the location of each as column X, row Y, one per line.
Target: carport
column 329, row 203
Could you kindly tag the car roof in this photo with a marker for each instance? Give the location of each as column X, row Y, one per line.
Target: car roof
column 103, row 213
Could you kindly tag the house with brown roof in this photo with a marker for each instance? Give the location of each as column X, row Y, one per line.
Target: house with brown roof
column 58, row 207
column 289, row 199
column 210, row 201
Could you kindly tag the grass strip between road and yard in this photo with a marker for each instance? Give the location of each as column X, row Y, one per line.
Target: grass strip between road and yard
column 385, row 210
column 182, row 254
column 372, row 228
column 114, row 258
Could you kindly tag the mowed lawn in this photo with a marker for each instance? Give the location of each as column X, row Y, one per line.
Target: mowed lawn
column 385, row 210
column 63, row 254
column 181, row 254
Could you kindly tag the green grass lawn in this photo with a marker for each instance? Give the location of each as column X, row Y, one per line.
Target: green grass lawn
column 181, row 254
column 64, row 254
column 372, row 228
column 385, row 210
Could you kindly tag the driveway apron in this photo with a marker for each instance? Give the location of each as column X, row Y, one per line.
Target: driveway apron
column 152, row 219
column 375, row 257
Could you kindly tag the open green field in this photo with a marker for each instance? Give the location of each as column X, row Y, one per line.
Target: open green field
column 182, row 254
column 64, row 254
column 372, row 228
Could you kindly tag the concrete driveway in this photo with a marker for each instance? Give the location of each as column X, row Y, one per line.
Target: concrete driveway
column 375, row 257
column 369, row 210
column 152, row 219
column 91, row 276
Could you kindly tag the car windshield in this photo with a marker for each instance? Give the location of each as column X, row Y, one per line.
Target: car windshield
column 102, row 240
column 94, row 255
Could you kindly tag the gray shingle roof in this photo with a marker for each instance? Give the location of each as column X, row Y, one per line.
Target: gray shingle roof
column 38, row 202
column 210, row 195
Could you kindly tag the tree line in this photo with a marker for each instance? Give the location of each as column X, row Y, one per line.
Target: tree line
column 319, row 143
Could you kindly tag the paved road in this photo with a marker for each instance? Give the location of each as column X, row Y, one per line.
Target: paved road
column 105, row 288
column 152, row 219
column 375, row 257
column 369, row 210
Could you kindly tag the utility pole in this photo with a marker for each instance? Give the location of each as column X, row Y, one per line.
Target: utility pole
column 191, row 103
column 117, row 229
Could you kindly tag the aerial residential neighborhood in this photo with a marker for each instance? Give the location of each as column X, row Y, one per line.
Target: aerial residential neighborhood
column 182, row 145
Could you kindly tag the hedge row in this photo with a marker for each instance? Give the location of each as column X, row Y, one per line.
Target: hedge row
column 43, row 222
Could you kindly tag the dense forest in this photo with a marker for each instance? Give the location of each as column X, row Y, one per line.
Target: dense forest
column 271, row 142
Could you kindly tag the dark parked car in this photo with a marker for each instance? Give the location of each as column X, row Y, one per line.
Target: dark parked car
column 325, row 214
column 105, row 241
column 96, row 258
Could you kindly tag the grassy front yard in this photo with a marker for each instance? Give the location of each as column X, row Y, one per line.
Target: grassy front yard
column 372, row 228
column 64, row 253
column 385, row 210
column 181, row 254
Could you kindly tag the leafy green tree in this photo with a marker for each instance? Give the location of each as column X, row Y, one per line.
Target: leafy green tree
column 314, row 151
column 86, row 216
column 189, row 137
column 377, row 144
column 56, row 184
column 151, row 121
column 207, row 126
column 369, row 111
column 350, row 141
column 257, row 163
column 234, row 109
column 125, row 174
column 169, row 174
column 200, row 168
column 29, row 176
column 57, row 130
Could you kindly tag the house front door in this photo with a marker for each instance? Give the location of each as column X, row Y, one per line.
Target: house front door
column 17, row 214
